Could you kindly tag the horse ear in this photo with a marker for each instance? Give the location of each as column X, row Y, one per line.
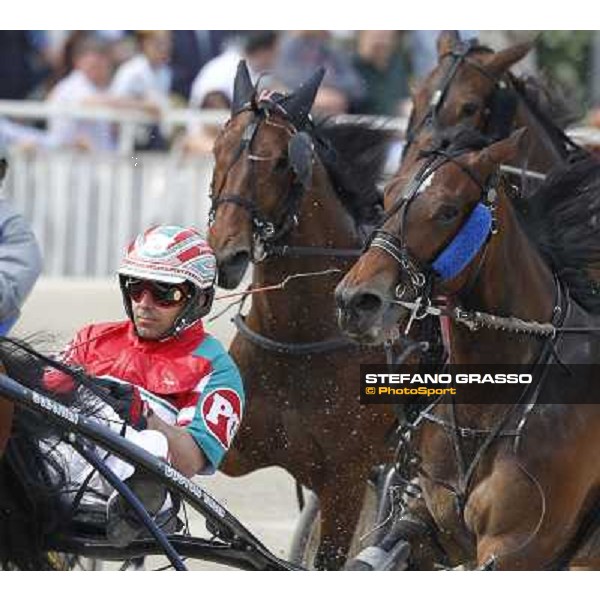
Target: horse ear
column 242, row 88
column 446, row 42
column 300, row 154
column 507, row 149
column 502, row 61
column 300, row 101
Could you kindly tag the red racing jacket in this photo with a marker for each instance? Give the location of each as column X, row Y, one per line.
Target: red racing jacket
column 192, row 380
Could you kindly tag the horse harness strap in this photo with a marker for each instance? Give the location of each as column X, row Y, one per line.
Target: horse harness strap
column 301, row 251
column 526, row 402
column 292, row 348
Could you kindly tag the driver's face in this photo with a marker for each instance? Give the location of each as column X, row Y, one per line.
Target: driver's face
column 152, row 321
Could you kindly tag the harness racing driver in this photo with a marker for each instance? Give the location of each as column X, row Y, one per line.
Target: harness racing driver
column 174, row 389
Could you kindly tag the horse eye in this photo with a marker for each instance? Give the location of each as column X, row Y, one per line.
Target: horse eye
column 469, row 109
column 447, row 214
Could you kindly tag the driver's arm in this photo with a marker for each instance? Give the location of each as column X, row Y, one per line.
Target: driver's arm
column 184, row 453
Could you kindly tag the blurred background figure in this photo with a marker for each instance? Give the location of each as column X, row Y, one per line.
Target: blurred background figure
column 213, row 87
column 564, row 60
column 20, row 257
column 258, row 48
column 382, row 67
column 144, row 83
column 201, row 138
column 423, row 50
column 121, row 46
column 25, row 63
column 302, row 53
column 191, row 51
column 594, row 116
column 86, row 84
column 500, row 39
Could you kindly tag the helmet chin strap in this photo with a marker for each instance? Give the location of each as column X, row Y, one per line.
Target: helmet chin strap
column 192, row 311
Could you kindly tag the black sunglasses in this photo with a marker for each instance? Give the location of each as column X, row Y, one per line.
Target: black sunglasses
column 163, row 294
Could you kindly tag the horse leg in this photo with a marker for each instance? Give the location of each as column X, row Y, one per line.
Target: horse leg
column 415, row 530
column 340, row 499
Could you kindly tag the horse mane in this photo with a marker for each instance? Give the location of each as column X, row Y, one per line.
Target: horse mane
column 549, row 97
column 563, row 218
column 550, row 106
column 32, row 477
column 354, row 155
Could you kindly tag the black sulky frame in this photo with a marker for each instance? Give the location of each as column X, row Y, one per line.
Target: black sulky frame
column 237, row 547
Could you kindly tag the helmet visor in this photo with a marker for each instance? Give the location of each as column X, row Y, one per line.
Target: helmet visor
column 163, row 294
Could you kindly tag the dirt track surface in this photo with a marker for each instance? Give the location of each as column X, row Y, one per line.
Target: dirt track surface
column 264, row 501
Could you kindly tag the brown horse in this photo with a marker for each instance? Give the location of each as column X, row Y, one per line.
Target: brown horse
column 513, row 483
column 284, row 196
column 6, row 419
column 472, row 86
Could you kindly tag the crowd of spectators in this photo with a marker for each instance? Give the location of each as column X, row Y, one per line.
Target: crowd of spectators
column 368, row 72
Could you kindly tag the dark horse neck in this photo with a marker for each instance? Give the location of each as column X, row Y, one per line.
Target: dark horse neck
column 546, row 147
column 305, row 311
column 514, row 281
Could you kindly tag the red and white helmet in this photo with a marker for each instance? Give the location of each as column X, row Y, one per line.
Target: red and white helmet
column 173, row 254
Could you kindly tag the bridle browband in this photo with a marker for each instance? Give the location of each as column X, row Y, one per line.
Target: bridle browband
column 266, row 232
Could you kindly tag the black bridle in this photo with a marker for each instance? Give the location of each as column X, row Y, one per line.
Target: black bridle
column 419, row 277
column 460, row 55
column 269, row 233
column 266, row 232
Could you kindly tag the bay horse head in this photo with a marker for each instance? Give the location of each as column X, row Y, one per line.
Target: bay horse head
column 470, row 87
column 263, row 167
column 432, row 241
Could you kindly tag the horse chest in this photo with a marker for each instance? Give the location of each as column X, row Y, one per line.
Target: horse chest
column 442, row 486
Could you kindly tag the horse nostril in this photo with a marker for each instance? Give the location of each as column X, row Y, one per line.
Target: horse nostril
column 239, row 260
column 367, row 303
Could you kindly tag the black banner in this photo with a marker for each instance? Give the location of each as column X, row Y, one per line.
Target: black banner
column 479, row 384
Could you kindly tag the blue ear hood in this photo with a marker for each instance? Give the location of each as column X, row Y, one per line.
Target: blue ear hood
column 466, row 244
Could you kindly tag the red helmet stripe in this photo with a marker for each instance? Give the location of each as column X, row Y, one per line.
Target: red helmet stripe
column 188, row 254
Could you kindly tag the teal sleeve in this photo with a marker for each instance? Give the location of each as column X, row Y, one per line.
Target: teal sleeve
column 220, row 407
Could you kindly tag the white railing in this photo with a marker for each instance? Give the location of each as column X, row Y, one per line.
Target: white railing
column 84, row 208
column 127, row 120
